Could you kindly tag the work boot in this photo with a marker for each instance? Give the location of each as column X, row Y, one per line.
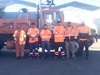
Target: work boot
column 55, row 57
column 87, row 58
column 79, row 57
column 17, row 57
column 36, row 54
column 37, row 57
column 74, row 57
column 43, row 57
column 67, row 57
column 22, row 57
column 63, row 57
column 50, row 57
column 30, row 56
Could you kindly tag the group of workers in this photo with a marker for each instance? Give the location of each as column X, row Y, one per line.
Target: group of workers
column 67, row 40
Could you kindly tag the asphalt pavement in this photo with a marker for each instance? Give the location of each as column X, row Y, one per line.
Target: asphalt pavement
column 9, row 65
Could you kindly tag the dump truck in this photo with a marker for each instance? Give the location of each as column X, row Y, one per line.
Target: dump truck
column 46, row 14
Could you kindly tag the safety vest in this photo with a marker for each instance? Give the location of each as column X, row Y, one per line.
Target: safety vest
column 69, row 33
column 76, row 32
column 84, row 32
column 59, row 33
column 19, row 36
column 33, row 32
column 45, row 34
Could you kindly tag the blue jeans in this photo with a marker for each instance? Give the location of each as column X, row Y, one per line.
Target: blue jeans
column 45, row 45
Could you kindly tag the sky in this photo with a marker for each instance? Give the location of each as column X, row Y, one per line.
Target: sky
column 70, row 13
column 16, row 7
column 58, row 2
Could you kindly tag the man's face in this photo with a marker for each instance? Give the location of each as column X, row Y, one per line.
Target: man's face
column 33, row 26
column 69, row 24
column 45, row 27
column 82, row 24
column 19, row 27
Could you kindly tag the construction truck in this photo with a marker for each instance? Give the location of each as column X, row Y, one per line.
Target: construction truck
column 46, row 14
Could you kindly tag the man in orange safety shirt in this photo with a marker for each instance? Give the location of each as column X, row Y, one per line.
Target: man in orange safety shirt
column 45, row 35
column 84, row 33
column 59, row 39
column 70, row 44
column 33, row 34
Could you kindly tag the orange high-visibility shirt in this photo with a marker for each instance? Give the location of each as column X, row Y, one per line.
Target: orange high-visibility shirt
column 84, row 29
column 20, row 36
column 59, row 33
column 69, row 31
column 76, row 32
column 33, row 32
column 45, row 34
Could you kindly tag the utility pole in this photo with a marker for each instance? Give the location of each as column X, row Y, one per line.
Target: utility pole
column 40, row 15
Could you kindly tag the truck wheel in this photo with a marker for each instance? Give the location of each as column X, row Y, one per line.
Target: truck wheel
column 1, row 44
column 91, row 41
column 10, row 44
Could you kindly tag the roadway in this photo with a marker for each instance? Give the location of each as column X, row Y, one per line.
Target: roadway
column 9, row 65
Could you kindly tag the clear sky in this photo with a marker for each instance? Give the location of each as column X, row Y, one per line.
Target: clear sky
column 16, row 7
column 70, row 13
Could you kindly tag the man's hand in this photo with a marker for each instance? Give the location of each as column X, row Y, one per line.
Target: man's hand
column 78, row 40
column 88, row 40
column 15, row 39
column 33, row 38
column 45, row 39
column 37, row 35
column 29, row 36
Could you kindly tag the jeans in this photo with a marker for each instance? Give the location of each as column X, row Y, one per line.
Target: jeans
column 45, row 45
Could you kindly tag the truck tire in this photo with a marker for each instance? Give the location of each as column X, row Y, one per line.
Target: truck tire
column 91, row 41
column 10, row 44
column 1, row 44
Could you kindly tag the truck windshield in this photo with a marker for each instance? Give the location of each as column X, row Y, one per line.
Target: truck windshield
column 52, row 17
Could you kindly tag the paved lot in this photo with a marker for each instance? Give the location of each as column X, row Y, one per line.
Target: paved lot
column 11, row 66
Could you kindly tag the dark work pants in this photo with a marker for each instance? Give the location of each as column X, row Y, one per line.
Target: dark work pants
column 34, row 46
column 59, row 44
column 83, row 44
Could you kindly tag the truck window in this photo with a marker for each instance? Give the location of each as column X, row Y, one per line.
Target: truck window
column 57, row 17
column 49, row 18
column 52, row 17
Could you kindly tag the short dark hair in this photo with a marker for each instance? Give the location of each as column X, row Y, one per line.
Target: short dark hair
column 69, row 22
column 45, row 24
column 32, row 23
column 58, row 21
